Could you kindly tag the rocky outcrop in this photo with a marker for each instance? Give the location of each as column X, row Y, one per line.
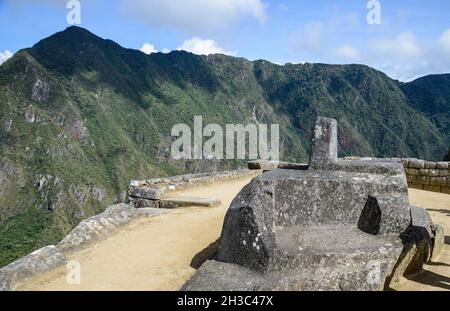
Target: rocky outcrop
column 342, row 225
column 40, row 261
column 97, row 227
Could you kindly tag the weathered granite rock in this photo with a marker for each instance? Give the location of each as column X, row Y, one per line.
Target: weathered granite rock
column 324, row 148
column 40, row 261
column 146, row 193
column 98, row 226
column 342, row 225
column 287, row 201
column 442, row 165
column 438, row 242
column 273, row 165
column 144, row 203
column 189, row 201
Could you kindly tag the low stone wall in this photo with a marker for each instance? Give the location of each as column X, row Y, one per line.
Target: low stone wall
column 426, row 175
column 421, row 174
column 149, row 193
column 86, row 233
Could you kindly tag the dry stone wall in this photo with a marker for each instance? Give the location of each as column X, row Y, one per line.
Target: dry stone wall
column 426, row 175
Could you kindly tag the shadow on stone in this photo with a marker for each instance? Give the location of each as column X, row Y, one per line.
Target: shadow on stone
column 370, row 220
column 447, row 240
column 205, row 255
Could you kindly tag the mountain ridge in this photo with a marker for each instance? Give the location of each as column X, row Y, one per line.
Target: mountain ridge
column 81, row 116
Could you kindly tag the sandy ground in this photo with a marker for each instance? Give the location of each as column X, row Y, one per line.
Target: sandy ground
column 151, row 253
column 162, row 253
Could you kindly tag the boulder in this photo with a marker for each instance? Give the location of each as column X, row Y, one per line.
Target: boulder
column 97, row 227
column 40, row 261
column 146, row 193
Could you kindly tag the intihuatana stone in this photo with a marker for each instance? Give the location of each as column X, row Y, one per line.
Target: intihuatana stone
column 324, row 149
column 341, row 225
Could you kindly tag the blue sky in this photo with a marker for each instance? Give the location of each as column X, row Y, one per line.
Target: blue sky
column 413, row 38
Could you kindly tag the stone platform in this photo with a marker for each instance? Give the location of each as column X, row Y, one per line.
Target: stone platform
column 341, row 225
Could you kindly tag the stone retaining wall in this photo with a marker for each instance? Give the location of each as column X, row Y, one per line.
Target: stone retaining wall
column 421, row 174
column 149, row 193
column 426, row 175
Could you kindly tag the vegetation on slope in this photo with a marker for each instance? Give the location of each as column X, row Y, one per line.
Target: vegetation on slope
column 80, row 116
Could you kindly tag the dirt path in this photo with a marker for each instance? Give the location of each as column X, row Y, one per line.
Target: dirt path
column 150, row 253
column 160, row 253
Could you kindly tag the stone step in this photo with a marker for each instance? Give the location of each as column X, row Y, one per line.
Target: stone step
column 188, row 202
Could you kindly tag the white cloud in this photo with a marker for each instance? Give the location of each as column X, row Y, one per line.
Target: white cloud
column 195, row 16
column 166, row 50
column 444, row 41
column 148, row 48
column 4, row 56
column 405, row 45
column 348, row 53
column 203, row 47
column 405, row 59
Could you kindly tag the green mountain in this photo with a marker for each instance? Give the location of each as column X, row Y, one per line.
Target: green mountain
column 431, row 96
column 80, row 116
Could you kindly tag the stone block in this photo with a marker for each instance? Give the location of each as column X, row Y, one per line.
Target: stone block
column 432, row 188
column 324, row 144
column 412, row 171
column 424, row 172
column 144, row 203
column 439, row 242
column 424, row 180
column 415, row 185
column 170, row 203
column 444, row 173
column 415, row 163
column 438, row 181
column 442, row 165
column 146, row 193
column 434, row 173
column 430, row 165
